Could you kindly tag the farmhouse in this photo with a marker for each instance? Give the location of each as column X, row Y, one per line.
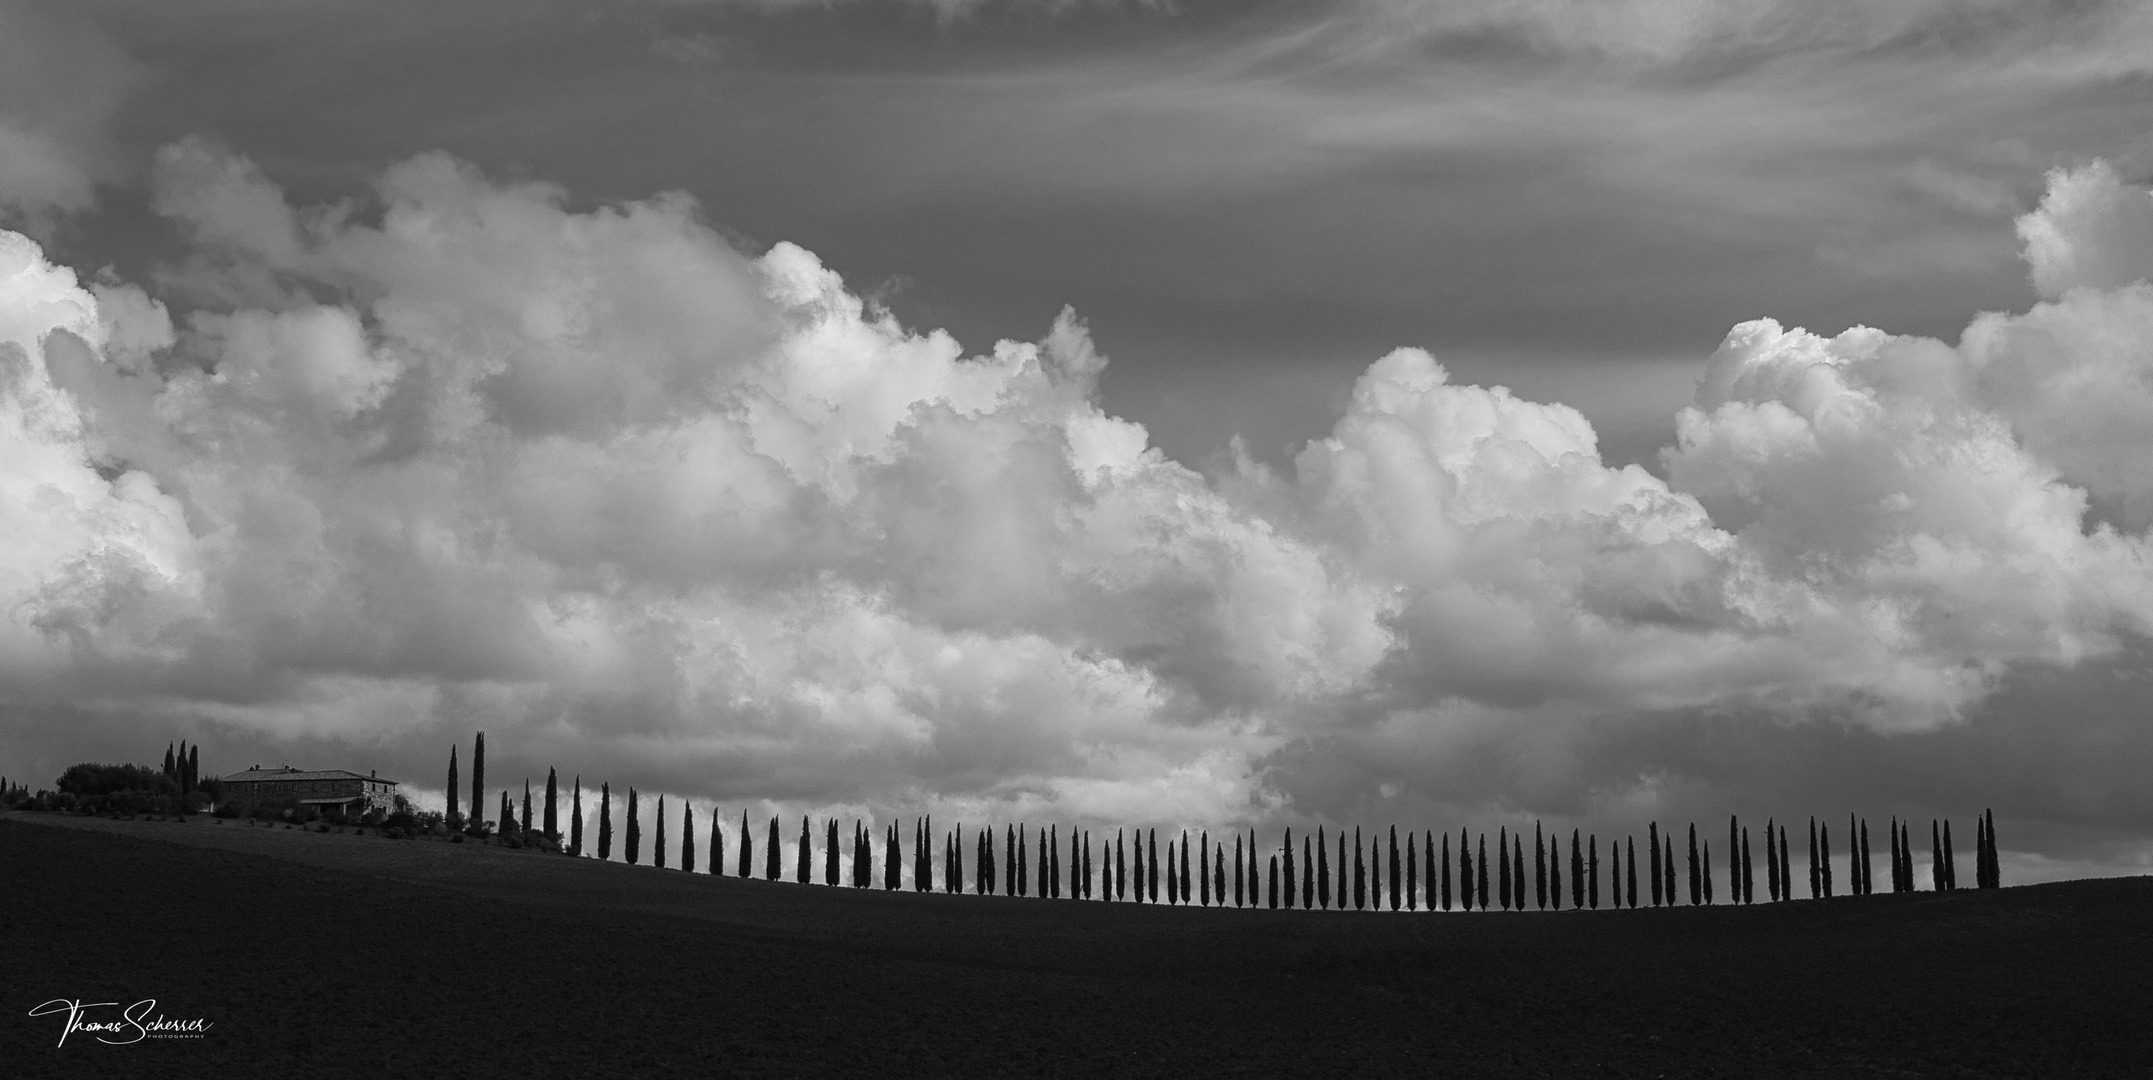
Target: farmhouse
column 332, row 790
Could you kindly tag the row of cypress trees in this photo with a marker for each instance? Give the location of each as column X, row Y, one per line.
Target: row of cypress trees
column 1027, row 861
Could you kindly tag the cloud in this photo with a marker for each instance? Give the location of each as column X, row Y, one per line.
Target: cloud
column 61, row 80
column 459, row 455
column 2091, row 229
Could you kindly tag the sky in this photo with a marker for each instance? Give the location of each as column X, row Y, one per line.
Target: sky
column 1201, row 415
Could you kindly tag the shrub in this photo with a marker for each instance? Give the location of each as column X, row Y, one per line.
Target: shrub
column 455, row 838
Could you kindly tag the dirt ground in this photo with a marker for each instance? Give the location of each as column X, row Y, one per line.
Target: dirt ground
column 331, row 955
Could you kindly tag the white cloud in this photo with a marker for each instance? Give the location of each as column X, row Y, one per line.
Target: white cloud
column 464, row 453
column 2091, row 229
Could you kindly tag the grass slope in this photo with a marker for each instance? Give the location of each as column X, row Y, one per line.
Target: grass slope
column 332, row 955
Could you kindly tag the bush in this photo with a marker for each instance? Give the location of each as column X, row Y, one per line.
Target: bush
column 455, row 838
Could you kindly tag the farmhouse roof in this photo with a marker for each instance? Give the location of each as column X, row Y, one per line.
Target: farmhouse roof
column 289, row 773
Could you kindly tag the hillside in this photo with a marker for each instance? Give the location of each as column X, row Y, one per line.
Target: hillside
column 328, row 955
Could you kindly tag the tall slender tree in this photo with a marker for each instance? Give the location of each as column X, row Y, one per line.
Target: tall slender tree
column 1771, row 861
column 1706, row 864
column 1394, row 884
column 1502, row 870
column 1185, row 866
column 1465, row 870
column 1554, row 872
column 829, row 853
column 635, row 830
column 1898, row 881
column 1629, row 855
column 1824, row 856
column 1816, row 876
column 747, row 847
column 1360, row 873
column 1286, row 845
column 1667, row 867
column 1539, row 869
column 1412, row 873
column 553, row 795
column 803, row 871
column 1445, row 883
column 1517, row 867
column 717, row 844
column 1696, row 869
column 893, row 867
column 575, row 820
column 455, row 815
column 1218, row 873
column 1272, row 892
column 657, row 850
column 687, row 836
column 1734, row 860
column 1951, row 868
column 194, row 768
column 1592, row 868
column 772, row 853
column 1786, row 877
column 1151, row 864
column 1749, row 877
column 1868, row 876
column 1614, row 871
column 1237, row 870
column 1652, row 841
column 478, row 779
column 1480, row 873
column 1308, row 873
column 1323, row 870
column 1577, row 869
column 605, row 821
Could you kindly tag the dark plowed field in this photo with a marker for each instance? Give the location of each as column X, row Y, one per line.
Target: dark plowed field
column 339, row 955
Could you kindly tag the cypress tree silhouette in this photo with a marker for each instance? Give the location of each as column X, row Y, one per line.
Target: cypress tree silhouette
column 1465, row 870
column 1308, row 874
column 1898, row 880
column 478, row 779
column 1502, row 870
column 863, row 861
column 605, row 821
column 1008, row 867
column 1184, row 866
column 1936, row 857
column 1286, row 844
column 1203, row 860
column 1360, row 873
column 687, row 837
column 1577, row 869
column 1151, row 863
column 1629, row 852
column 1749, row 877
column 1652, row 841
column 1667, row 867
column 747, row 847
column 1023, row 867
column 1824, row 856
column 1375, row 871
column 1592, row 868
column 892, row 860
column 1323, row 870
column 1554, row 872
column 657, row 850
column 772, row 860
column 635, row 829
column 1445, row 885
column 1816, row 876
column 455, row 816
column 1539, row 869
column 1951, row 868
column 524, row 822
column 1087, row 865
column 553, row 824
column 1273, row 892
column 1218, row 873
column 1994, row 867
column 1868, row 876
column 1480, row 873
column 717, row 845
column 829, row 854
column 803, row 871
column 1237, row 870
column 1517, row 868
column 1734, row 861
column 1412, row 873
column 1394, row 883
column 1342, row 864
column 194, row 768
column 1696, row 884
column 171, row 770
column 575, row 820
column 1121, row 867
column 1614, row 872
column 1052, row 839
column 1786, row 866
column 1706, row 866
column 1771, row 861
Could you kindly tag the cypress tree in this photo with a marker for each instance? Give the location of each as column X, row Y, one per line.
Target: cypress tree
column 1707, row 864
column 575, row 820
column 829, row 854
column 635, row 829
column 1749, row 878
column 1360, row 873
column 1445, row 884
column 1218, row 872
column 803, row 871
column 1988, row 818
column 1696, row 884
column 525, row 825
column 1151, row 863
column 172, row 771
column 1237, row 870
column 1667, row 867
column 1184, row 866
column 1652, row 841
column 747, row 847
column 773, row 860
column 194, row 768
column 1394, row 866
column 893, row 871
column 1786, row 866
column 1480, row 873
column 1173, row 878
column 1577, row 869
column 1868, row 874
column 687, row 837
column 1465, row 870
column 1502, row 870
column 1771, row 861
column 1087, row 865
column 1629, row 850
column 1308, row 873
column 1323, row 870
column 1592, row 868
column 1898, row 884
column 1951, row 869
column 1517, row 868
column 478, row 779
column 605, row 821
column 1824, row 856
column 1539, row 869
column 1287, row 845
column 1008, row 868
column 1816, row 878
column 1614, row 872
column 1734, row 861
column 1375, row 871
column 454, row 817
column 1203, row 862
column 1936, row 857
column 553, row 824
column 1554, row 872
column 1121, row 867
column 1412, row 874
column 1273, row 891
column 717, row 844
column 657, row 850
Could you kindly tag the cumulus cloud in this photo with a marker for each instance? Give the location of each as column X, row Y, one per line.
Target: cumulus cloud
column 2091, row 229
column 459, row 455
